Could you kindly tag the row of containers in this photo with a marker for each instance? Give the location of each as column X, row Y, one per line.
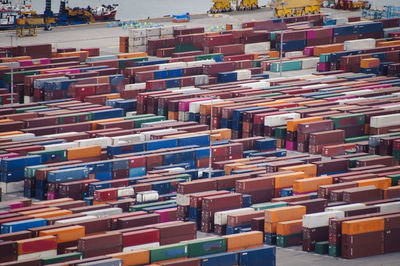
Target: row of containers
column 68, row 232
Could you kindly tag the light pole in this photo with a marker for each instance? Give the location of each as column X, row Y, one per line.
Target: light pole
column 282, row 3
column 210, row 159
column 12, row 72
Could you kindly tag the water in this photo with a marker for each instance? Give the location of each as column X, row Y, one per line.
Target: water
column 136, row 9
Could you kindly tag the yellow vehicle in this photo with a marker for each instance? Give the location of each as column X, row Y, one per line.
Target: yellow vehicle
column 229, row 5
column 295, row 8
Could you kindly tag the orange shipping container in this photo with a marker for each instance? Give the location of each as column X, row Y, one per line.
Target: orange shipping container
column 246, row 240
column 369, row 63
column 308, row 169
column 360, row 226
column 65, row 234
column 52, row 202
column 36, row 244
column 292, row 124
column 50, row 209
column 94, row 123
column 270, row 227
column 10, row 133
column 389, row 43
column 289, row 227
column 132, row 55
column 83, row 152
column 283, row 214
column 287, row 180
column 51, row 214
column 329, row 48
column 6, row 120
column 311, row 184
column 380, row 182
column 133, row 258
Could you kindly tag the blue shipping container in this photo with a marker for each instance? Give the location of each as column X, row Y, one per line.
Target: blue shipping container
column 10, row 164
column 68, row 175
column 265, row 256
column 22, row 225
column 225, row 259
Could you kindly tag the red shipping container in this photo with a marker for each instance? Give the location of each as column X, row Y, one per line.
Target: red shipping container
column 154, row 85
column 140, row 237
column 106, row 194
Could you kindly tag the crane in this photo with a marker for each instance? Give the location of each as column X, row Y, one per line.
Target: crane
column 228, row 5
column 295, row 8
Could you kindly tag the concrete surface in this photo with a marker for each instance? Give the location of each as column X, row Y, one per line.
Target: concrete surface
column 107, row 39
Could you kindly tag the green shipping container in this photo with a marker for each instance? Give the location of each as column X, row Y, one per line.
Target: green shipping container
column 138, row 116
column 7, row 76
column 51, row 156
column 344, row 121
column 280, row 132
column 331, row 95
column 324, row 58
column 30, row 171
column 205, row 246
column 335, row 250
column 396, row 155
column 32, row 108
column 186, row 47
column 207, row 56
column 322, row 247
column 140, row 121
column 356, row 139
column 354, row 159
column 268, row 205
column 139, row 207
column 257, row 63
column 395, row 179
column 286, row 66
column 289, row 240
column 294, row 108
column 62, row 258
column 269, row 95
column 168, row 252
column 162, row 111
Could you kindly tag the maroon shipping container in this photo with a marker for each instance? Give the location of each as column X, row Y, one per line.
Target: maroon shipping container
column 243, row 219
column 16, row 236
column 257, row 224
column 197, row 186
column 385, row 160
column 324, row 191
column 222, row 202
column 313, row 235
column 138, row 220
column 362, row 194
column 170, row 232
column 140, row 237
column 332, row 166
column 254, row 184
column 312, row 205
column 363, row 245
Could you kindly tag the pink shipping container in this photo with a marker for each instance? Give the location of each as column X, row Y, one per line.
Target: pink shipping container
column 323, row 67
column 24, row 63
column 309, row 51
column 16, row 205
column 8, row 155
column 167, row 215
column 291, row 145
column 184, row 104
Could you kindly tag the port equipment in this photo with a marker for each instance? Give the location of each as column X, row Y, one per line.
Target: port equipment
column 230, row 5
column 295, row 8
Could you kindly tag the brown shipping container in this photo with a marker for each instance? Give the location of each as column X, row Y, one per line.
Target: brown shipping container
column 100, row 241
column 362, row 194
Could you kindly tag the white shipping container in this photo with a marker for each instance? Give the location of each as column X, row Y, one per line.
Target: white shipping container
column 19, row 137
column 103, row 142
column 147, row 196
column 141, row 247
column 125, row 192
column 151, row 124
column 179, row 27
column 243, row 74
column 320, row 219
column 389, row 207
column 167, row 30
column 322, row 79
column 257, row 47
column 127, row 139
column 357, row 92
column 359, row 44
column 38, row 255
column 294, row 54
column 137, row 33
column 257, row 85
column 344, row 101
column 280, row 120
column 221, row 218
column 104, row 212
column 137, row 41
column 135, row 86
column 309, row 63
column 12, row 187
column 74, row 220
column 390, row 107
column 194, row 107
column 61, row 146
column 347, row 207
column 200, row 80
column 200, row 63
column 175, row 65
column 385, row 120
column 176, row 170
column 60, row 135
column 153, row 32
column 183, row 199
